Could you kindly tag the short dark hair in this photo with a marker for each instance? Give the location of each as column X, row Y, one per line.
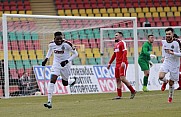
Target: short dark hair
column 150, row 35
column 120, row 33
column 58, row 34
column 175, row 36
column 169, row 29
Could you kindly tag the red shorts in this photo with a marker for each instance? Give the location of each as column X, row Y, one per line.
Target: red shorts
column 120, row 71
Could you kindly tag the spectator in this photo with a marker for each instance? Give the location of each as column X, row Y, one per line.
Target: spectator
column 25, row 82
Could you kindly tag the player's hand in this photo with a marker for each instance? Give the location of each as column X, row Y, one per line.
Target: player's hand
column 123, row 64
column 44, row 62
column 151, row 64
column 108, row 66
column 162, row 59
column 63, row 63
column 171, row 52
column 152, row 56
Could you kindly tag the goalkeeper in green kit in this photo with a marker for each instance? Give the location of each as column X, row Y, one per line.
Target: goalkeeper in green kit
column 144, row 60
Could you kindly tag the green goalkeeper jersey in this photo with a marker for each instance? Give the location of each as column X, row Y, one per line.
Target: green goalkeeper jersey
column 145, row 52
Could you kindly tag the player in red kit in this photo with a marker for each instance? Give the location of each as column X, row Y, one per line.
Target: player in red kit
column 120, row 54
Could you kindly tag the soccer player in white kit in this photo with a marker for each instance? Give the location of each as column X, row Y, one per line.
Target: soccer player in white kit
column 61, row 63
column 171, row 62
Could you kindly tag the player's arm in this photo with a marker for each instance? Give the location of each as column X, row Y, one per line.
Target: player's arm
column 50, row 50
column 124, row 59
column 178, row 54
column 111, row 60
column 74, row 54
column 145, row 50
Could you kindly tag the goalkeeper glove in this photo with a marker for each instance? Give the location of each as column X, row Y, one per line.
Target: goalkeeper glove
column 63, row 63
column 44, row 62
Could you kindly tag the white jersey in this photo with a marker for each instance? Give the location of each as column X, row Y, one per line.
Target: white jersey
column 61, row 52
column 171, row 60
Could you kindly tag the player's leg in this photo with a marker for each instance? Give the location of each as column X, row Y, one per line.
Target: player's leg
column 145, row 68
column 122, row 71
column 54, row 75
column 162, row 73
column 118, row 81
column 65, row 73
column 174, row 77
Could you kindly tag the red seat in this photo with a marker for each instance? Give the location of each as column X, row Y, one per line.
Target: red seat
column 156, row 4
column 21, row 45
column 177, row 3
column 108, row 5
column 173, row 23
column 152, row 24
column 100, row 5
column 66, row 6
column 60, row 7
column 94, row 5
column 37, row 45
column 14, row 73
column 27, row 8
column 6, row 8
column 20, row 8
column 13, row 8
column 135, row 4
column 26, row 3
column 114, row 5
column 20, row 3
column 20, row 72
column 12, row 3
column 58, row 2
column 159, row 24
column 142, row 4
column 14, row 45
column 87, row 6
column 178, row 19
column 166, row 23
column 163, row 19
column 73, row 6
column 171, row 19
column 5, row 3
column 80, row 6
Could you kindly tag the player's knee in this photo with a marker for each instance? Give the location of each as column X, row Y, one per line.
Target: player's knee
column 65, row 83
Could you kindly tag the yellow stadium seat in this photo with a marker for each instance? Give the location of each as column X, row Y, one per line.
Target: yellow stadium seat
column 29, row 12
column 95, row 11
column 162, row 14
column 82, row 11
column 179, row 8
column 75, row 11
column 126, row 14
column 1, row 13
column 39, row 54
column 148, row 15
column 16, row 55
column 138, row 10
column 24, row 54
column 141, row 15
column 173, row 9
column 166, row 9
column 90, row 15
column 105, row 15
column 68, row 12
column 76, row 14
column 103, row 10
column 159, row 9
column 61, row 12
column 110, row 10
column 89, row 55
column 98, row 15
column 124, row 10
column 112, row 15
column 155, row 14
column 119, row 14
column 14, row 12
column 1, row 55
column 169, row 14
column 31, row 54
column 83, row 14
column 95, row 50
column 177, row 14
column 133, row 14
column 97, row 55
column 21, row 12
column 7, row 12
column 116, row 10
column 152, row 9
column 131, row 10
column 145, row 10
column 89, row 11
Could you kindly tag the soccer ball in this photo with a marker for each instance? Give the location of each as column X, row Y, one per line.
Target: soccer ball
column 37, row 93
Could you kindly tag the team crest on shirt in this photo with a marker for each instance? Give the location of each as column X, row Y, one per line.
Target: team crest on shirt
column 172, row 46
column 63, row 48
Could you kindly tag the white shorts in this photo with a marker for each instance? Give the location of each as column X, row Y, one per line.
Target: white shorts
column 64, row 72
column 174, row 71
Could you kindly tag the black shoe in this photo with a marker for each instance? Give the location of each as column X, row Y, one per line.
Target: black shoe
column 116, row 98
column 48, row 105
column 74, row 82
column 133, row 95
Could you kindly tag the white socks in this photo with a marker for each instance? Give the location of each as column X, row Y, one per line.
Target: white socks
column 50, row 91
column 171, row 91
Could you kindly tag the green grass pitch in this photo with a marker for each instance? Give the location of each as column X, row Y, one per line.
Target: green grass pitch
column 145, row 104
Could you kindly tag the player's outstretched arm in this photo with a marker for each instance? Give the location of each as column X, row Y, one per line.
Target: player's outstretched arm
column 44, row 62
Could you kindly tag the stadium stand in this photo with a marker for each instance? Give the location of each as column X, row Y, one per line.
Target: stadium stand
column 29, row 51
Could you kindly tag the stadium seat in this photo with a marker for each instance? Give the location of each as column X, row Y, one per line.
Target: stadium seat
column 138, row 10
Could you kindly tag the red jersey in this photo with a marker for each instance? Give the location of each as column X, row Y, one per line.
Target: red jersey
column 120, row 53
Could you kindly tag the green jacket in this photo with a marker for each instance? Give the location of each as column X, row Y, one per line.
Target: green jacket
column 145, row 52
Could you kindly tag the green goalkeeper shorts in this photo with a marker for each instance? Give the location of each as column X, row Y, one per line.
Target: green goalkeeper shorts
column 143, row 64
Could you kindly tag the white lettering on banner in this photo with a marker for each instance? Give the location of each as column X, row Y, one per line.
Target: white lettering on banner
column 58, row 88
column 107, row 85
column 103, row 72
